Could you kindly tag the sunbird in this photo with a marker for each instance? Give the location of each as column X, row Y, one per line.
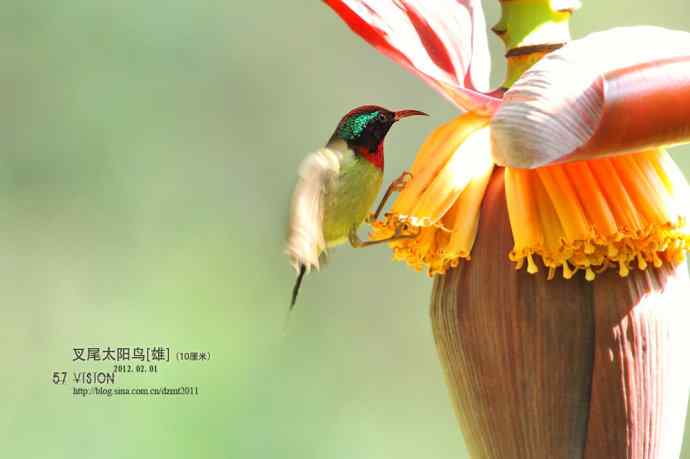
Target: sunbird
column 337, row 186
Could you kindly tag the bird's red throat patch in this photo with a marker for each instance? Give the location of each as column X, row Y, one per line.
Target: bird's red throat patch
column 374, row 157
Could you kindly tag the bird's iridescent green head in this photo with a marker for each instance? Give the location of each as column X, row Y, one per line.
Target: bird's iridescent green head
column 353, row 125
column 367, row 126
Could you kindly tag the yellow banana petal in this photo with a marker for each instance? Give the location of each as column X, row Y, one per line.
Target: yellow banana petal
column 440, row 204
column 432, row 157
column 627, row 211
column 523, row 212
column 470, row 160
column 466, row 221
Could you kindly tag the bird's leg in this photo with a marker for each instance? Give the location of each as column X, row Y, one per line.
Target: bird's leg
column 397, row 185
column 357, row 243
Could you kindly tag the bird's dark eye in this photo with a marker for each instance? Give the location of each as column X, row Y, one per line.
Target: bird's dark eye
column 382, row 117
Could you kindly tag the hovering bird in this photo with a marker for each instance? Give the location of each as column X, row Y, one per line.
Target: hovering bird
column 337, row 186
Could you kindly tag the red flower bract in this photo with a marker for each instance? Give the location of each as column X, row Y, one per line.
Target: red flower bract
column 434, row 40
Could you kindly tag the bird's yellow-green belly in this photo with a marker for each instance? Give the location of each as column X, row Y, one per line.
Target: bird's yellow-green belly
column 350, row 200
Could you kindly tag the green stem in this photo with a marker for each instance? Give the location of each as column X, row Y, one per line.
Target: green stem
column 531, row 25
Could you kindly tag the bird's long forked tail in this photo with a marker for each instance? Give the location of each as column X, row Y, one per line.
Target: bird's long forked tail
column 298, row 283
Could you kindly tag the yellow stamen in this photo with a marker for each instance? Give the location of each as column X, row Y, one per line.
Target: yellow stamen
column 531, row 265
column 567, row 272
column 552, row 273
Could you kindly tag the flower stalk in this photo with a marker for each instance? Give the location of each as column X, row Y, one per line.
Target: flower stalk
column 529, row 29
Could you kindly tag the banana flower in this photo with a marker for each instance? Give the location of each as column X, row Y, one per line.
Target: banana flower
column 562, row 173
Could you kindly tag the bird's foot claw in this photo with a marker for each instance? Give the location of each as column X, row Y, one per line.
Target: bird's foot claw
column 396, row 186
column 401, row 182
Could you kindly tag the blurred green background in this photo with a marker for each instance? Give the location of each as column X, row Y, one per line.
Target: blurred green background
column 147, row 153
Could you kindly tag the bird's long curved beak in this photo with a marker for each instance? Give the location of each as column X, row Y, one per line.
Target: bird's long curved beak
column 405, row 113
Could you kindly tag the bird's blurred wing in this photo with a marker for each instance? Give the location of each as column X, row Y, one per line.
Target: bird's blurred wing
column 305, row 233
